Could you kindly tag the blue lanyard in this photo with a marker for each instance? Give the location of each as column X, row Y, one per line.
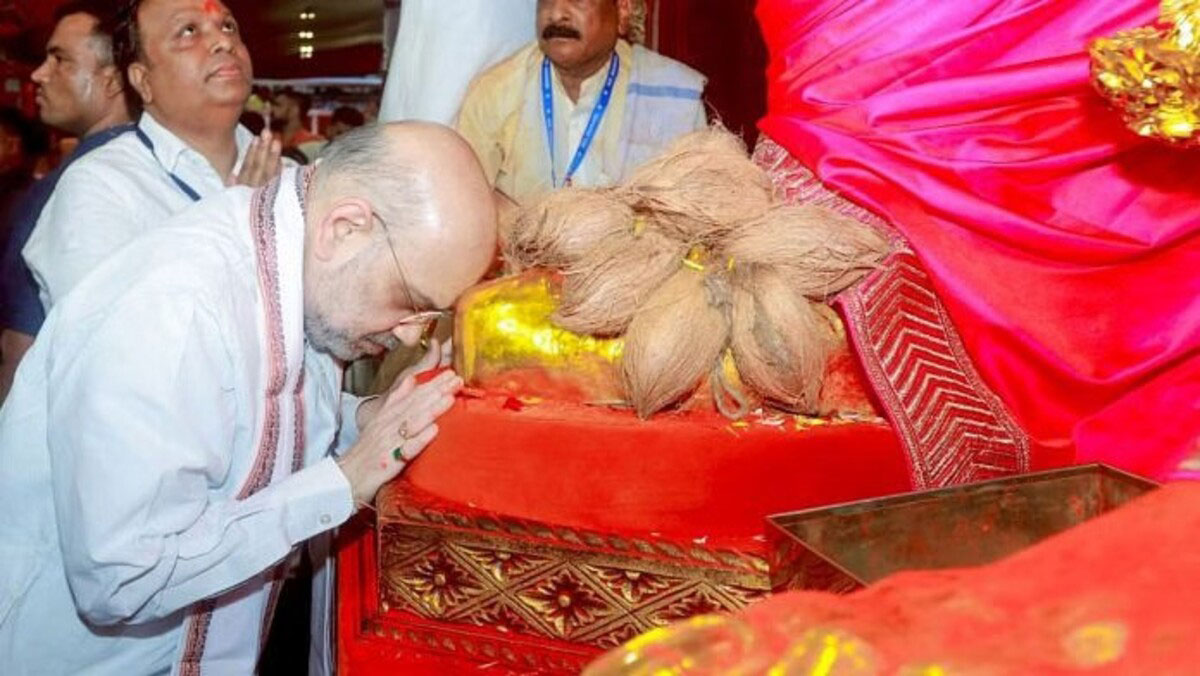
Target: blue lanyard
column 187, row 189
column 593, row 125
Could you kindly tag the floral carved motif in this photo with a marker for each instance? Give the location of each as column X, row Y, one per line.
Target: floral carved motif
column 438, row 583
column 566, row 603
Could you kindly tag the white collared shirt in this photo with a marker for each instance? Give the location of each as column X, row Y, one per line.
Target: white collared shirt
column 571, row 120
column 131, row 430
column 112, row 195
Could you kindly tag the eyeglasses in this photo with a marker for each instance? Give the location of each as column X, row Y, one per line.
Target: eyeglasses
column 427, row 319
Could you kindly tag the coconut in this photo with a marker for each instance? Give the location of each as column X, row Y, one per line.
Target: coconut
column 676, row 338
column 821, row 251
column 565, row 225
column 699, row 185
column 781, row 341
column 603, row 288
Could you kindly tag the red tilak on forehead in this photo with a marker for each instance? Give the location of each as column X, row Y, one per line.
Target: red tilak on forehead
column 211, row 6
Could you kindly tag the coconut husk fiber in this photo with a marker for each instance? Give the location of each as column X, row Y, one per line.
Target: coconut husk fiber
column 604, row 287
column 822, row 251
column 701, row 184
column 675, row 340
column 781, row 341
column 563, row 226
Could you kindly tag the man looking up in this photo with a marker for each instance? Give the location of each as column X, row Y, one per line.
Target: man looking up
column 82, row 92
column 156, row 511
column 578, row 106
column 186, row 62
column 289, row 118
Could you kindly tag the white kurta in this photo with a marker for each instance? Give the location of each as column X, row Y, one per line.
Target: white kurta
column 151, row 492
column 112, row 195
column 442, row 45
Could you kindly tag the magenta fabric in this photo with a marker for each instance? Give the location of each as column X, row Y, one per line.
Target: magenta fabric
column 1066, row 249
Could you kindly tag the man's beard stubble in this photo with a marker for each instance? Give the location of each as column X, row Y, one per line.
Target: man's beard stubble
column 323, row 337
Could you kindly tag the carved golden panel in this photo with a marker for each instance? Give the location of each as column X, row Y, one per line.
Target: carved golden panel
column 525, row 578
column 633, row 586
column 566, row 603
column 435, row 582
column 504, row 566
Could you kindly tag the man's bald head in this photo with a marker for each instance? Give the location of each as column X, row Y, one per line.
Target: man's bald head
column 412, row 189
column 425, row 182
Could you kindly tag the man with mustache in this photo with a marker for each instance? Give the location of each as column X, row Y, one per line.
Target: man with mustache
column 168, row 443
column 186, row 64
column 80, row 91
column 580, row 106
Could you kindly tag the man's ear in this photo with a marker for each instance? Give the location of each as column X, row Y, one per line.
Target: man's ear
column 624, row 16
column 342, row 230
column 111, row 82
column 138, row 79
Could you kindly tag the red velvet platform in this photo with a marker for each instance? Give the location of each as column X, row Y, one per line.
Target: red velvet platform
column 689, row 475
column 531, row 536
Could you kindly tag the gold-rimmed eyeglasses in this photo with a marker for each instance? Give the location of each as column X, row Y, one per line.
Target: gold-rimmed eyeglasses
column 426, row 319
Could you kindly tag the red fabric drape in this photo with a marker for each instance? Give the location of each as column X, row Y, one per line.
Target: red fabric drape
column 721, row 40
column 1066, row 250
column 1102, row 599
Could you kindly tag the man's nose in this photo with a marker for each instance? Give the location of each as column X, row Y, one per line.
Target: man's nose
column 558, row 10
column 40, row 75
column 222, row 41
column 409, row 334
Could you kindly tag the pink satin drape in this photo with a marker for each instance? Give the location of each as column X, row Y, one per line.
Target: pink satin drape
column 1066, row 250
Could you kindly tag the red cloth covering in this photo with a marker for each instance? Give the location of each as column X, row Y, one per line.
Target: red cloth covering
column 1064, row 248
column 1112, row 596
column 685, row 474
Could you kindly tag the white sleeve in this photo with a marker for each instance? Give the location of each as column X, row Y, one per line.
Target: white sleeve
column 332, row 414
column 82, row 224
column 348, row 432
column 142, row 416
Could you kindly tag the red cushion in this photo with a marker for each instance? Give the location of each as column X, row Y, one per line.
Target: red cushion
column 689, row 474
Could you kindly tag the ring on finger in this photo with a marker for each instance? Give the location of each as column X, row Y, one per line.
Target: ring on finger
column 398, row 453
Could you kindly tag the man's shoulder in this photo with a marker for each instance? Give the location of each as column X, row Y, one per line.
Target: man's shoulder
column 508, row 75
column 655, row 70
column 124, row 157
column 202, row 246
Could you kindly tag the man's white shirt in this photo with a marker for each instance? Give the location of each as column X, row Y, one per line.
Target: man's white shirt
column 121, row 480
column 115, row 193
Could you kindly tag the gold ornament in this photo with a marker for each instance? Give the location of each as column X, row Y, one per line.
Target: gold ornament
column 506, row 342
column 1152, row 74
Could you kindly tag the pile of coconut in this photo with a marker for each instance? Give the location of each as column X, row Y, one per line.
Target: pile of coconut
column 694, row 258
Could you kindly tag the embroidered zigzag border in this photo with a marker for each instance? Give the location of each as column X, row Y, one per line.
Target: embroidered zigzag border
column 953, row 428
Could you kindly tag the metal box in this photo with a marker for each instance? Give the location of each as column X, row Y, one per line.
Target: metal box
column 845, row 547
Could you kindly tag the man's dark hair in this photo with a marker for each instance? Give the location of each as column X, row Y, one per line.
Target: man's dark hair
column 104, row 35
column 100, row 10
column 103, row 11
column 127, row 46
column 349, row 116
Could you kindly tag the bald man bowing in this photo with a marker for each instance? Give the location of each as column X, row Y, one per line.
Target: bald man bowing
column 148, row 515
